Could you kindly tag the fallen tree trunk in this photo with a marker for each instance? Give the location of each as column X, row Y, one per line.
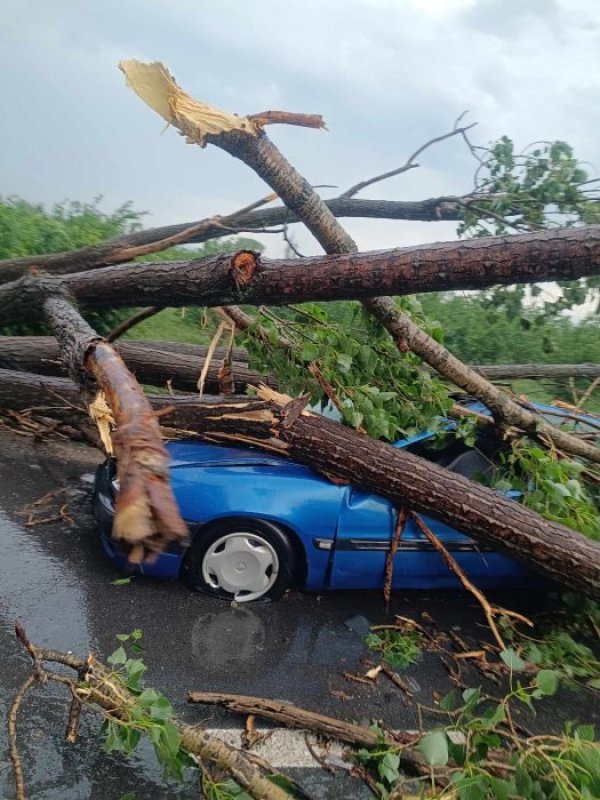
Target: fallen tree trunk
column 151, row 362
column 281, row 427
column 496, row 372
column 244, row 277
column 488, row 516
column 434, row 209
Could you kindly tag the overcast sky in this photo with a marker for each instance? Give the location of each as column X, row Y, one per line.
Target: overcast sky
column 386, row 75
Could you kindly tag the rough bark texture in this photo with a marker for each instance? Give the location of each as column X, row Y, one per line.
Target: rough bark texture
column 150, row 362
column 434, row 209
column 215, row 281
column 496, row 372
column 146, row 515
column 560, row 553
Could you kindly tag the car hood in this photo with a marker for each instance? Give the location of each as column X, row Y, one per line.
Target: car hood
column 187, row 454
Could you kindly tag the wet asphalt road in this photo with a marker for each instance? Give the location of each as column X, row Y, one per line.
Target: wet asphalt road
column 56, row 580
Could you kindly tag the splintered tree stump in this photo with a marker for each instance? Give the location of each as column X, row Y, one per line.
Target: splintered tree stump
column 146, row 514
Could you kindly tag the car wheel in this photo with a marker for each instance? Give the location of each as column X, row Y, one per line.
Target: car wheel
column 241, row 560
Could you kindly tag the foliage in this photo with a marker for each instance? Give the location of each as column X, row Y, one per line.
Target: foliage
column 554, row 487
column 27, row 229
column 152, row 714
column 399, row 646
column 482, row 757
column 542, row 187
column 523, row 337
column 341, row 354
column 566, row 645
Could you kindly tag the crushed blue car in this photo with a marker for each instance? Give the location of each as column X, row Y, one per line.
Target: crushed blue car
column 261, row 524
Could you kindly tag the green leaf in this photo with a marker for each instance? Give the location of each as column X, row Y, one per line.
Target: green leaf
column 513, row 660
column 114, row 742
column 118, row 657
column 161, row 709
column 388, row 768
column 587, row 733
column 148, row 697
column 434, row 747
column 547, row 681
column 344, row 362
column 171, row 737
column 451, row 701
column 121, row 582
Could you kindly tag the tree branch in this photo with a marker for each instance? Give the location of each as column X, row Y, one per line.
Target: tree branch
column 259, row 153
column 408, row 164
column 435, row 209
column 101, row 689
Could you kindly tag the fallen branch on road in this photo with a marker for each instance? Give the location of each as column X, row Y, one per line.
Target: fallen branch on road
column 105, row 691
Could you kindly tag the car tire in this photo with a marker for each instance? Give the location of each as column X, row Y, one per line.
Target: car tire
column 242, row 560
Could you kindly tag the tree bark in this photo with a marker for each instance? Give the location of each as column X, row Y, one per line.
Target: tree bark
column 264, row 158
column 246, row 278
column 146, row 514
column 495, row 372
column 435, row 209
column 150, row 362
column 486, row 515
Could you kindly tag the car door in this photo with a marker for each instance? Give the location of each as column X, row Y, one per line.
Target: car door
column 366, row 525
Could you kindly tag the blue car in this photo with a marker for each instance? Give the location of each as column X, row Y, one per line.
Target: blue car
column 261, row 524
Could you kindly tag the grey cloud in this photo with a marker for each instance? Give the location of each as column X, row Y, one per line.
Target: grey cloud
column 509, row 19
column 386, row 75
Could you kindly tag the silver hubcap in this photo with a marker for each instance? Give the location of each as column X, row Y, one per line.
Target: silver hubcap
column 242, row 564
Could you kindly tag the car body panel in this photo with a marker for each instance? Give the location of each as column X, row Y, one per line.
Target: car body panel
column 343, row 531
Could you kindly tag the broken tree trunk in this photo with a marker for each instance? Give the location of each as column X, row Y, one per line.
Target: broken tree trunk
column 151, row 362
column 146, row 515
column 558, row 552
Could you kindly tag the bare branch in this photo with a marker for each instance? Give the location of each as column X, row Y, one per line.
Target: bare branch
column 288, row 118
column 132, row 321
column 408, row 164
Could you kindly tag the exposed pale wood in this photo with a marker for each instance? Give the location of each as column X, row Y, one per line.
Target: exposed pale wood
column 146, row 515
